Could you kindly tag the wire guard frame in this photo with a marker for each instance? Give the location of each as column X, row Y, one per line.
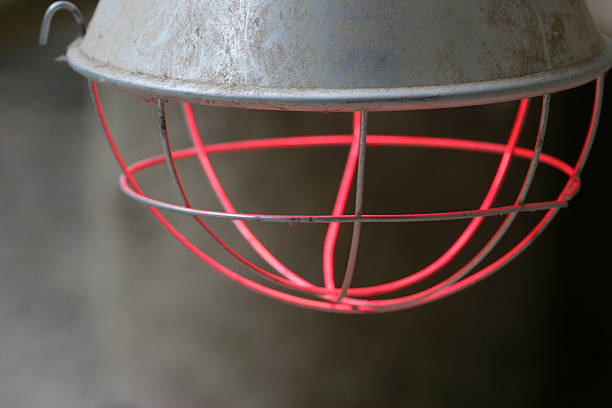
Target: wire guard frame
column 285, row 284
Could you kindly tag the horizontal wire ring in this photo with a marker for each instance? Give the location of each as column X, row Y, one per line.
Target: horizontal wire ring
column 459, row 144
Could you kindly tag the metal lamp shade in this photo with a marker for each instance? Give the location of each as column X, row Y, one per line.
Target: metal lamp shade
column 342, row 55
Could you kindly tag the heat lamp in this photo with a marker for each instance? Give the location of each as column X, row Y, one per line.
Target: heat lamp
column 356, row 57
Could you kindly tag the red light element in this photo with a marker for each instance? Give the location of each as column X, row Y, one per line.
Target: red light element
column 329, row 245
column 287, row 278
column 246, row 232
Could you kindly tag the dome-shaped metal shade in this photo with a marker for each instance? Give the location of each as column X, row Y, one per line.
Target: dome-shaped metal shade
column 339, row 54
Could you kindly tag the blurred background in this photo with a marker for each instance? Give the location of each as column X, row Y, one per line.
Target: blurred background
column 100, row 307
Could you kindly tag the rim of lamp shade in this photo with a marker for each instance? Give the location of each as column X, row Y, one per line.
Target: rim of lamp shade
column 344, row 100
column 326, row 56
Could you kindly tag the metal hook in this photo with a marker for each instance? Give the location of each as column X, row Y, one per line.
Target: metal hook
column 48, row 17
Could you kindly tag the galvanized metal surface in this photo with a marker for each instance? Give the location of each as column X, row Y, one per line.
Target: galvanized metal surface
column 341, row 55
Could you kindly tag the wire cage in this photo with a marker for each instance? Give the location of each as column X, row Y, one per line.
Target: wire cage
column 101, row 63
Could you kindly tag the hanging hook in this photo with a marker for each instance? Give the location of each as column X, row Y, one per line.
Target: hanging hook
column 48, row 17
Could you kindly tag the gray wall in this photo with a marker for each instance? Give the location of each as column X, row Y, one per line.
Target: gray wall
column 99, row 307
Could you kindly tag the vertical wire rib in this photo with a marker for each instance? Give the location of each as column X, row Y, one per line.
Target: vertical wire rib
column 331, row 236
column 535, row 160
column 162, row 128
column 428, row 295
column 584, row 155
column 359, row 193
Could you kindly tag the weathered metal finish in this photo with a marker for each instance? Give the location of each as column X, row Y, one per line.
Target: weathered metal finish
column 340, row 54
